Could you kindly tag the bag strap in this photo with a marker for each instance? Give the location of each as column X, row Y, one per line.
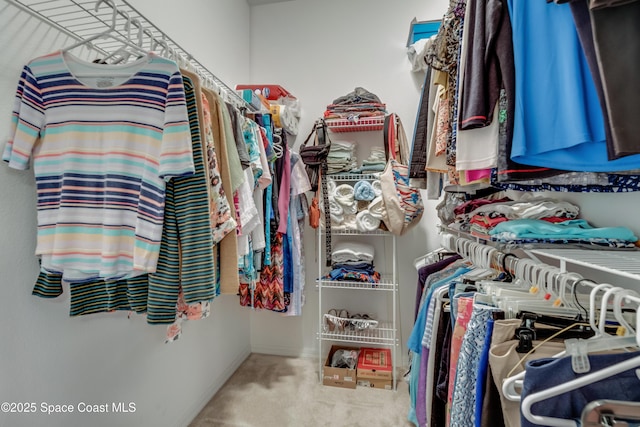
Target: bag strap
column 306, row 141
column 321, row 132
column 320, row 129
column 402, row 142
column 390, row 136
column 395, row 139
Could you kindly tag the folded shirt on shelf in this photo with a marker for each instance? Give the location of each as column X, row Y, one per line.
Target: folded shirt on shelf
column 345, row 274
column 365, row 267
column 341, row 157
column 376, row 162
column 575, row 230
column 352, row 251
column 534, row 209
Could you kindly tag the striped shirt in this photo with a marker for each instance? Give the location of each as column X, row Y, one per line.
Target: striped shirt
column 100, row 156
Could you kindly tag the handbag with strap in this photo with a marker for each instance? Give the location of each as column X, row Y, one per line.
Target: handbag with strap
column 403, row 203
column 315, row 158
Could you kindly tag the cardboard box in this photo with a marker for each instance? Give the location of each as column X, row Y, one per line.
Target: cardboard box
column 338, row 377
column 375, row 363
column 377, row 383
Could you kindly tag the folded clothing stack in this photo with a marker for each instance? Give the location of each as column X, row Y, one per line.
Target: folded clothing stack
column 376, row 162
column 356, row 104
column 354, row 111
column 341, row 157
column 353, row 261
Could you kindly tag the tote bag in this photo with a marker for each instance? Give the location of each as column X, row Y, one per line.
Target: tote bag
column 403, row 203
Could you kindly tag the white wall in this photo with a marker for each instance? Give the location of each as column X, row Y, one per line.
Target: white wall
column 320, row 51
column 45, row 356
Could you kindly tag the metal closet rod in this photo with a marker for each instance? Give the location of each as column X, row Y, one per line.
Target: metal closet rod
column 150, row 29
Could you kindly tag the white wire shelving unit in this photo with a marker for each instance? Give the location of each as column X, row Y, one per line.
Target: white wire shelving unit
column 387, row 332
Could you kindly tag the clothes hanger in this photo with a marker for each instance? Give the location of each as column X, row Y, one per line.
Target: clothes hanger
column 577, row 383
column 277, row 145
column 570, row 386
column 603, row 308
column 108, row 33
column 425, row 259
column 163, row 44
column 122, row 51
column 517, row 299
column 617, row 310
column 606, row 412
column 512, row 384
column 600, row 342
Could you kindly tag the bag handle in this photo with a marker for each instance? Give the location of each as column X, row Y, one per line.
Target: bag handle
column 389, row 131
column 320, row 129
column 395, row 139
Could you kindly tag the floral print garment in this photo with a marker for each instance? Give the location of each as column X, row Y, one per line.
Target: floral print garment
column 222, row 222
column 194, row 311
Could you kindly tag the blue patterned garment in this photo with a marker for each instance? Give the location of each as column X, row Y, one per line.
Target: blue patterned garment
column 464, row 390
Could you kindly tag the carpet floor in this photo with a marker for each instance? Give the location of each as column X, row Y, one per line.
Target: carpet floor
column 285, row 391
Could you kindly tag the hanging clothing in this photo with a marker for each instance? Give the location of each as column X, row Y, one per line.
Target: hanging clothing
column 232, row 176
column 543, row 374
column 55, row 108
column 505, row 361
column 469, row 366
column 613, row 28
column 222, row 222
column 477, row 147
column 197, row 278
column 184, row 244
column 548, row 54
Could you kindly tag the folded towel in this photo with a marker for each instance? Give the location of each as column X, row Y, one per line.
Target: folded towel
column 367, row 222
column 362, row 205
column 377, row 208
column 343, row 194
column 349, row 222
column 377, row 187
column 335, row 207
column 331, row 187
column 337, row 219
column 350, row 209
column 346, row 251
column 342, row 145
column 374, row 162
column 372, row 168
column 363, row 190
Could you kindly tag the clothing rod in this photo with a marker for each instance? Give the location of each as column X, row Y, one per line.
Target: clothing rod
column 534, row 272
column 78, row 14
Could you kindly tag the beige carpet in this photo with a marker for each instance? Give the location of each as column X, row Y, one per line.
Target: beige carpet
column 284, row 391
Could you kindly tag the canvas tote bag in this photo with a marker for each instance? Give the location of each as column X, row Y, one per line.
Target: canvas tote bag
column 403, row 203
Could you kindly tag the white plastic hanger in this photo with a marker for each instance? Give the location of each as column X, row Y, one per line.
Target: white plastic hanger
column 426, row 259
column 122, row 53
column 511, row 385
column 591, row 378
column 109, row 32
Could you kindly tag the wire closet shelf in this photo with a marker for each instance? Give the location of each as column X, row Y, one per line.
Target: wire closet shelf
column 80, row 20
